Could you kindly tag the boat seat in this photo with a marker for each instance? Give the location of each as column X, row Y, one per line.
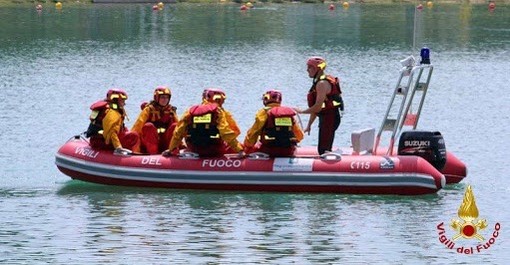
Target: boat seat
column 363, row 141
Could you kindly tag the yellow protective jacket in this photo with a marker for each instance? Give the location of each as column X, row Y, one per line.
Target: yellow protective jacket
column 145, row 115
column 231, row 122
column 113, row 123
column 226, row 133
column 230, row 119
column 256, row 129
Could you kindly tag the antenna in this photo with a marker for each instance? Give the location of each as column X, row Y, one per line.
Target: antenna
column 417, row 12
column 414, row 29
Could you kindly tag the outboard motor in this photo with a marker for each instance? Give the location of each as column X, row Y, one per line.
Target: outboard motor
column 428, row 145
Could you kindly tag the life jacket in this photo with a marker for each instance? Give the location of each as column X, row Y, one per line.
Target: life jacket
column 333, row 98
column 99, row 109
column 203, row 126
column 277, row 131
column 161, row 117
column 96, row 118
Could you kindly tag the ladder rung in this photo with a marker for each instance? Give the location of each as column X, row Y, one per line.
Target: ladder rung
column 389, row 124
column 421, row 86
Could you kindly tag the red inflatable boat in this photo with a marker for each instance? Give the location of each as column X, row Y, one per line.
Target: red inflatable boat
column 421, row 165
column 405, row 175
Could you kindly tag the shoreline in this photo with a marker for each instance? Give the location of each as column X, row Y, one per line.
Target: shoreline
column 4, row 3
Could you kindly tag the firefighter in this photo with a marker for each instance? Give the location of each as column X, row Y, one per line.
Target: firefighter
column 275, row 130
column 156, row 122
column 107, row 129
column 205, row 129
column 324, row 101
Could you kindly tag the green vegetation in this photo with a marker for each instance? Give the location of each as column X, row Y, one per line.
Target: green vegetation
column 82, row 2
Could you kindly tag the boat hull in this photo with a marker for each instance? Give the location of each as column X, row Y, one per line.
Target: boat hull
column 402, row 175
column 454, row 170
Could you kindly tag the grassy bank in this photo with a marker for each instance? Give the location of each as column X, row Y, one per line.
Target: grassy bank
column 85, row 2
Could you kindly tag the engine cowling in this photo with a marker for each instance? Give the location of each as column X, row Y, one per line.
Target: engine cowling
column 426, row 144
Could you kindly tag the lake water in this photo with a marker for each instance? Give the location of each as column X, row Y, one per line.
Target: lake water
column 54, row 64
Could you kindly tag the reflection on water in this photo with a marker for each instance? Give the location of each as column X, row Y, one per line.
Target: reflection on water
column 278, row 228
column 53, row 65
column 361, row 26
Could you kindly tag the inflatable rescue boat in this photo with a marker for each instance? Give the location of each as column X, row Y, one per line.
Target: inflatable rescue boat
column 420, row 165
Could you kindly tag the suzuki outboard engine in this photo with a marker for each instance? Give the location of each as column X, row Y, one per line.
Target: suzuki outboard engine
column 428, row 145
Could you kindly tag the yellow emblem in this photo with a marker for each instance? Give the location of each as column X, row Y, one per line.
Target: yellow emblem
column 284, row 121
column 468, row 227
column 202, row 119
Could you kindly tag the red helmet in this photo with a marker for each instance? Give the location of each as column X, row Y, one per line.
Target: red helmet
column 115, row 94
column 214, row 95
column 316, row 62
column 161, row 90
column 272, row 96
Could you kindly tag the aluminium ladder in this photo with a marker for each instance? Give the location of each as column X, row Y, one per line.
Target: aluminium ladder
column 410, row 85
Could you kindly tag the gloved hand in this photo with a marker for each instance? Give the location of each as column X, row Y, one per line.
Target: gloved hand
column 168, row 152
column 241, row 154
column 122, row 151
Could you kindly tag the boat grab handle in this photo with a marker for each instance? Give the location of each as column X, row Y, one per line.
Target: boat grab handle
column 258, row 156
column 122, row 152
column 188, row 155
column 78, row 137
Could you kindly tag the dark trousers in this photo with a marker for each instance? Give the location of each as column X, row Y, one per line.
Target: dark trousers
column 329, row 121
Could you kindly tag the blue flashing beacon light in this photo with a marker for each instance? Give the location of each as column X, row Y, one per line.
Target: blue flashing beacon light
column 425, row 55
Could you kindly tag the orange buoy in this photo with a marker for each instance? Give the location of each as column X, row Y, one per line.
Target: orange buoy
column 430, row 4
column 345, row 5
column 492, row 6
column 331, row 7
column 161, row 5
column 58, row 5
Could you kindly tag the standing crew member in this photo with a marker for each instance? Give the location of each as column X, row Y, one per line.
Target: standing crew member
column 324, row 101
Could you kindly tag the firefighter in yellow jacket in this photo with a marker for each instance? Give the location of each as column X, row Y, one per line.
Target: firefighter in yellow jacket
column 107, row 129
column 210, row 92
column 156, row 123
column 275, row 128
column 205, row 129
